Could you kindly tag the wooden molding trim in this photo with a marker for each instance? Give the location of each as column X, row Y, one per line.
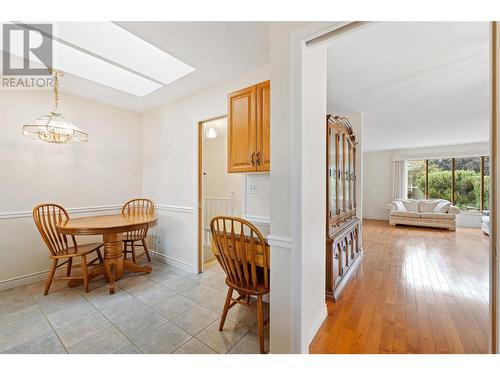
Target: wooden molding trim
column 494, row 50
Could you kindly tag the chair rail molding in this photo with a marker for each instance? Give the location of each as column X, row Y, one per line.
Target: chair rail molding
column 280, row 241
column 168, row 207
column 75, row 210
column 80, row 210
column 258, row 219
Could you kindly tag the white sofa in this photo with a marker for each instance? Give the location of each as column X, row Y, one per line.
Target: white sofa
column 435, row 213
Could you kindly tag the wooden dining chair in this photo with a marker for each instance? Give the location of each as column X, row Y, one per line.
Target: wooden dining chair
column 46, row 217
column 136, row 238
column 242, row 253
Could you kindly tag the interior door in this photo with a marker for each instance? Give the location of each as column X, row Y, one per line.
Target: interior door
column 264, row 126
column 242, row 130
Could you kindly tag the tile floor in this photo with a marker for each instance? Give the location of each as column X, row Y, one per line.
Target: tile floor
column 167, row 311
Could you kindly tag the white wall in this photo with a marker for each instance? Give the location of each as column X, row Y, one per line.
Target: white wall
column 285, row 320
column 377, row 184
column 377, row 175
column 99, row 175
column 170, row 164
column 314, row 81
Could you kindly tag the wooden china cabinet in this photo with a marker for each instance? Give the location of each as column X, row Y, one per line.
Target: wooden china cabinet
column 343, row 228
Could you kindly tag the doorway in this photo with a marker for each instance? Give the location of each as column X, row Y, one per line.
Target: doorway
column 311, row 57
column 219, row 192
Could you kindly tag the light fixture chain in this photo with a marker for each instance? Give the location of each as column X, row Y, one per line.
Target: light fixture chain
column 55, row 86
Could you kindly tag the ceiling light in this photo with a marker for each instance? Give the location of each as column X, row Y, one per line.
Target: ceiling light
column 53, row 127
column 211, row 132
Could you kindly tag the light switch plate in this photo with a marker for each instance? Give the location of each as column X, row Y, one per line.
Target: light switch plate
column 252, row 188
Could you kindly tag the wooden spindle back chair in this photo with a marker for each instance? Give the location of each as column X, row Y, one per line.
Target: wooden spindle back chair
column 243, row 255
column 47, row 216
column 138, row 206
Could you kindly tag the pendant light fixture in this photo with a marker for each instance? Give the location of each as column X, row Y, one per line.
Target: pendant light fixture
column 53, row 127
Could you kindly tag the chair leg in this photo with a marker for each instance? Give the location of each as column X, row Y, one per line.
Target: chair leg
column 125, row 248
column 51, row 276
column 260, row 320
column 133, row 251
column 226, row 308
column 146, row 249
column 68, row 270
column 99, row 255
column 85, row 274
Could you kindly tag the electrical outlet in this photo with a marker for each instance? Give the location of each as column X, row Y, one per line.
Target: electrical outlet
column 253, row 188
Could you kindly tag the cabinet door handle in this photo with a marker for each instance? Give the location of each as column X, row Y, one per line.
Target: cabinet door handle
column 253, row 158
column 258, row 158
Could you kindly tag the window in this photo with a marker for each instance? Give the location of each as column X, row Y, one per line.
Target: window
column 463, row 181
column 468, row 183
column 486, row 182
column 439, row 179
column 416, row 179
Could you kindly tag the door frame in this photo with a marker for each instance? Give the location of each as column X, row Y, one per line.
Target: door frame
column 317, row 35
column 200, row 188
column 494, row 176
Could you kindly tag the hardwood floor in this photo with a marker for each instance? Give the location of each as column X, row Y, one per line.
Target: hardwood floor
column 418, row 290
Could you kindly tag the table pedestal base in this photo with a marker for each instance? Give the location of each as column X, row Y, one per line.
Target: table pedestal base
column 114, row 264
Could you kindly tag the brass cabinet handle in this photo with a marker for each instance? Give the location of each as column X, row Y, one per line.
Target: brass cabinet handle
column 253, row 158
column 258, row 158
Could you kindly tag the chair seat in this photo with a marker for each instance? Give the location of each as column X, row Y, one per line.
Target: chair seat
column 259, row 289
column 80, row 250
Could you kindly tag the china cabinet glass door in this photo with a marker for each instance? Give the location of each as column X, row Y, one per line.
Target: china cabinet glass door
column 333, row 174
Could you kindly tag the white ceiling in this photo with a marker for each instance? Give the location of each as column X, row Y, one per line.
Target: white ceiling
column 217, row 50
column 418, row 84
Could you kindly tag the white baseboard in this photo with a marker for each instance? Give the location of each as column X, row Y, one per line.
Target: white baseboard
column 23, row 280
column 313, row 329
column 28, row 279
column 385, row 218
column 175, row 262
column 42, row 275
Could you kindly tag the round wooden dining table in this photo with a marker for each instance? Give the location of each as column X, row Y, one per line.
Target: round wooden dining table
column 111, row 227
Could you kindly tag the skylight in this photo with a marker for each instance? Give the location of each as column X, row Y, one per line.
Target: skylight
column 109, row 55
column 110, row 41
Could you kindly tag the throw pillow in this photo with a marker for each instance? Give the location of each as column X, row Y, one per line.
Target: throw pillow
column 399, row 206
column 442, row 207
column 411, row 205
column 427, row 205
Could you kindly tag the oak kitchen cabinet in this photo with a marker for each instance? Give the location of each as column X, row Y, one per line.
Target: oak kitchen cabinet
column 249, row 129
